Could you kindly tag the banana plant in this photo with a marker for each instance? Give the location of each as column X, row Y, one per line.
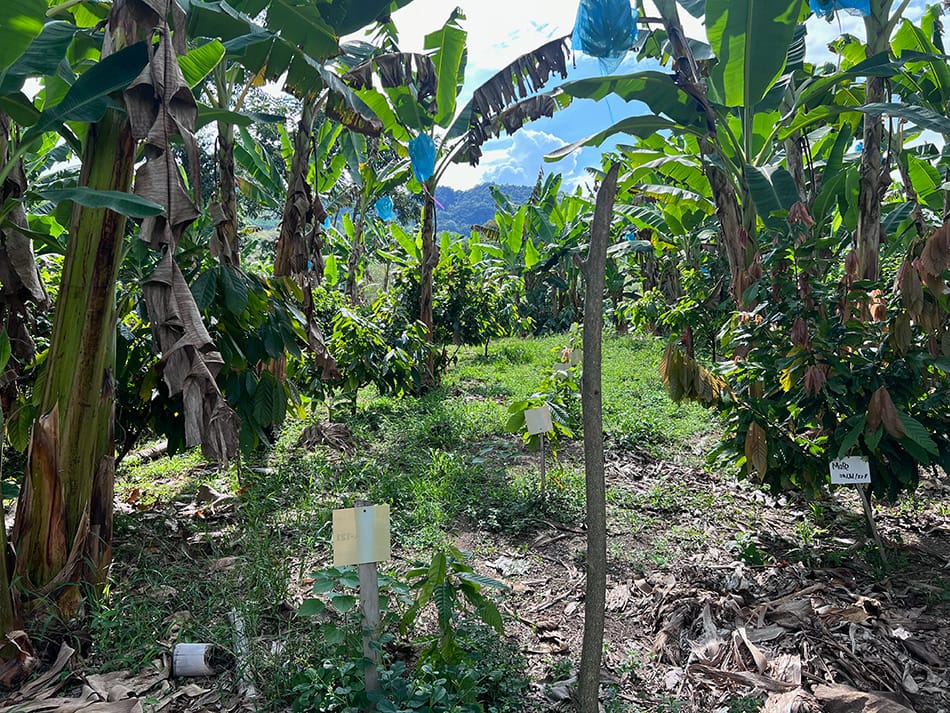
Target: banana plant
column 62, row 533
column 293, row 42
column 755, row 44
column 416, row 97
column 373, row 172
column 63, row 529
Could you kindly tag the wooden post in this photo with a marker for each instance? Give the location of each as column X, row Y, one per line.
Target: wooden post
column 869, row 513
column 543, row 471
column 588, row 675
column 369, row 605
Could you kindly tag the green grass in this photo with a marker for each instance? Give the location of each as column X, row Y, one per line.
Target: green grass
column 637, row 412
column 444, row 462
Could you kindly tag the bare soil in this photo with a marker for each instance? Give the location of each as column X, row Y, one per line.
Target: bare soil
column 724, row 598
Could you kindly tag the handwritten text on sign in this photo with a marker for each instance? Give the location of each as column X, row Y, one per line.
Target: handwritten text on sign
column 361, row 535
column 850, row 471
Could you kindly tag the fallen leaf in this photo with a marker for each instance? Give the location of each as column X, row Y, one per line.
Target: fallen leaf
column 797, row 701
column 788, row 668
column 618, row 597
column 922, row 652
column 843, row 699
column 38, row 688
column 766, row 633
column 746, row 678
column 761, row 662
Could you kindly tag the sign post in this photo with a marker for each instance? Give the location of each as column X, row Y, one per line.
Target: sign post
column 856, row 471
column 361, row 536
column 538, row 422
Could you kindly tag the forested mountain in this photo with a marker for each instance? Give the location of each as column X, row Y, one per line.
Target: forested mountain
column 460, row 210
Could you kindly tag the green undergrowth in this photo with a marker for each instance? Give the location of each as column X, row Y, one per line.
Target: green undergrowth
column 445, row 464
column 637, row 412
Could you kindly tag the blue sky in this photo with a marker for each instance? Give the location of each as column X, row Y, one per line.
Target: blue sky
column 501, row 30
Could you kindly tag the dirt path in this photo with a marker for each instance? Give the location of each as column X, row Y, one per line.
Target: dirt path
column 721, row 597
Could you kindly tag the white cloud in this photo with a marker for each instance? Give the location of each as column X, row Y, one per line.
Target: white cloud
column 511, row 159
column 520, row 161
column 498, row 30
column 501, row 30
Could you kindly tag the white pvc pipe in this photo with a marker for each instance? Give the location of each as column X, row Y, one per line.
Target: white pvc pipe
column 193, row 660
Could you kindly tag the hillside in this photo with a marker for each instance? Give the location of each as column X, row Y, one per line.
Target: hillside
column 460, row 210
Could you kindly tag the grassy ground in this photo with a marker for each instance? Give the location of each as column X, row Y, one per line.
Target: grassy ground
column 193, row 544
column 444, row 463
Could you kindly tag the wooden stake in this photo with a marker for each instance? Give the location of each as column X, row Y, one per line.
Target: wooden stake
column 869, row 513
column 543, row 470
column 369, row 605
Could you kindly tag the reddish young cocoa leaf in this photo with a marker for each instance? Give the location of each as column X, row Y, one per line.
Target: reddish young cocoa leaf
column 935, row 257
column 881, row 409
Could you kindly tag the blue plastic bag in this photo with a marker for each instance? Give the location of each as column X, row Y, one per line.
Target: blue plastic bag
column 826, row 8
column 385, row 209
column 605, row 29
column 422, row 153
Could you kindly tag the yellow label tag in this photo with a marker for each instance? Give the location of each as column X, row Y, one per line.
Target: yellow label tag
column 361, row 535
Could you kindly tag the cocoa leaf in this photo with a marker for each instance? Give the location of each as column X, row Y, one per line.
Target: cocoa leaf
column 881, row 409
column 757, row 449
column 911, row 288
column 935, row 257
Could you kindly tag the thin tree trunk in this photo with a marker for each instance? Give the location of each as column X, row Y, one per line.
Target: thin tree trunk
column 868, row 235
column 588, row 679
column 874, row 176
column 292, row 255
column 19, row 284
column 430, row 258
column 734, row 239
column 226, row 245
column 20, row 281
column 299, row 252
column 796, row 164
column 356, row 253
column 737, row 227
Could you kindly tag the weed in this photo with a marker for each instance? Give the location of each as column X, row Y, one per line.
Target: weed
column 158, row 480
column 746, row 704
column 437, row 460
column 561, row 669
column 940, row 593
column 747, row 549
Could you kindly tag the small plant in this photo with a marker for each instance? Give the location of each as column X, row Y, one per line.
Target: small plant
column 748, row 551
column 561, row 669
column 378, row 349
column 451, row 583
column 746, row 704
column 559, row 391
column 465, row 666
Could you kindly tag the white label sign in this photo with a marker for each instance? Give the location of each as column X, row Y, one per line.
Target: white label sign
column 361, row 535
column 538, row 420
column 850, row 471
